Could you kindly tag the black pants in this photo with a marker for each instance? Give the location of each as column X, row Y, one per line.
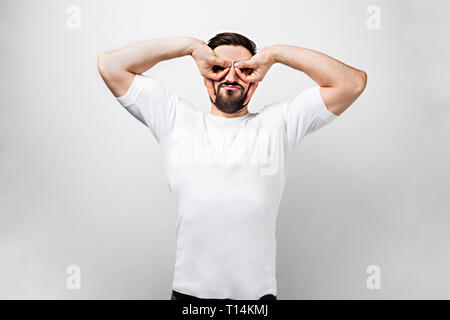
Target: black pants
column 181, row 296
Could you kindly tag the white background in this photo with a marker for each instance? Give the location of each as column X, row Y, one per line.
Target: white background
column 82, row 181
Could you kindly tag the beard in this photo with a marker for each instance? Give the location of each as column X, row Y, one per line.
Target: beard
column 230, row 101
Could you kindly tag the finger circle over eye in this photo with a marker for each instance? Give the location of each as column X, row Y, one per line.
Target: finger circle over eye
column 241, row 74
column 222, row 73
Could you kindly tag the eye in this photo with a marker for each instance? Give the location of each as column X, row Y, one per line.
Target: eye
column 217, row 69
column 246, row 71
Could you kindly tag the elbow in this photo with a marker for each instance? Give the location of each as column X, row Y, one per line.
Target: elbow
column 361, row 82
column 108, row 66
column 355, row 85
column 102, row 63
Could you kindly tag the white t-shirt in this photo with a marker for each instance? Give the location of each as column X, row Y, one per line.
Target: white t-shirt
column 227, row 176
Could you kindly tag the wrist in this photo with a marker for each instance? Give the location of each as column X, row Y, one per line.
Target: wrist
column 273, row 52
column 270, row 52
column 193, row 45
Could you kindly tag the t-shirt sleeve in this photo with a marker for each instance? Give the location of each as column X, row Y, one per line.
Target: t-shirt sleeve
column 149, row 102
column 304, row 114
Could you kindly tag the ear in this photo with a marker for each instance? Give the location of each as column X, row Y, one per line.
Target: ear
column 251, row 90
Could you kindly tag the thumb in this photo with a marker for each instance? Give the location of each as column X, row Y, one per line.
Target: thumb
column 222, row 62
column 244, row 64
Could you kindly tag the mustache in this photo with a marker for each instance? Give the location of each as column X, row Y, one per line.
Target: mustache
column 231, row 84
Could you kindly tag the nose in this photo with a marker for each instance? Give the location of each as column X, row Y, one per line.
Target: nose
column 232, row 76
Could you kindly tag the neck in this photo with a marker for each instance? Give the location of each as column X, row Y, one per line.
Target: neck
column 215, row 111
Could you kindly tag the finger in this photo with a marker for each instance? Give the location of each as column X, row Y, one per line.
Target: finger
column 224, row 72
column 247, row 78
column 241, row 75
column 253, row 77
column 217, row 76
column 245, row 64
column 250, row 92
column 222, row 62
column 210, row 87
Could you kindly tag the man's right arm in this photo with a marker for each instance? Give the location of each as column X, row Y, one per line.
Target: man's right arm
column 119, row 67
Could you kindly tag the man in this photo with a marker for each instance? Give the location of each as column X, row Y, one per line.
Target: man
column 227, row 168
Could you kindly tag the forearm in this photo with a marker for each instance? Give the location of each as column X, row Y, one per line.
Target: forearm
column 140, row 57
column 323, row 69
column 119, row 67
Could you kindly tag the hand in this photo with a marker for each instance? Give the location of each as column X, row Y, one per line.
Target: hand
column 206, row 59
column 255, row 68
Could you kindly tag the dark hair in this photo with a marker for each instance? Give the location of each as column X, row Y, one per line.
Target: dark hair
column 233, row 39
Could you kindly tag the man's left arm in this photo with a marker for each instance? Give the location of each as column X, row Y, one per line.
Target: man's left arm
column 340, row 84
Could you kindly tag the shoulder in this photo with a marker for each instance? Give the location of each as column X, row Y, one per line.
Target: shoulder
column 186, row 112
column 271, row 113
